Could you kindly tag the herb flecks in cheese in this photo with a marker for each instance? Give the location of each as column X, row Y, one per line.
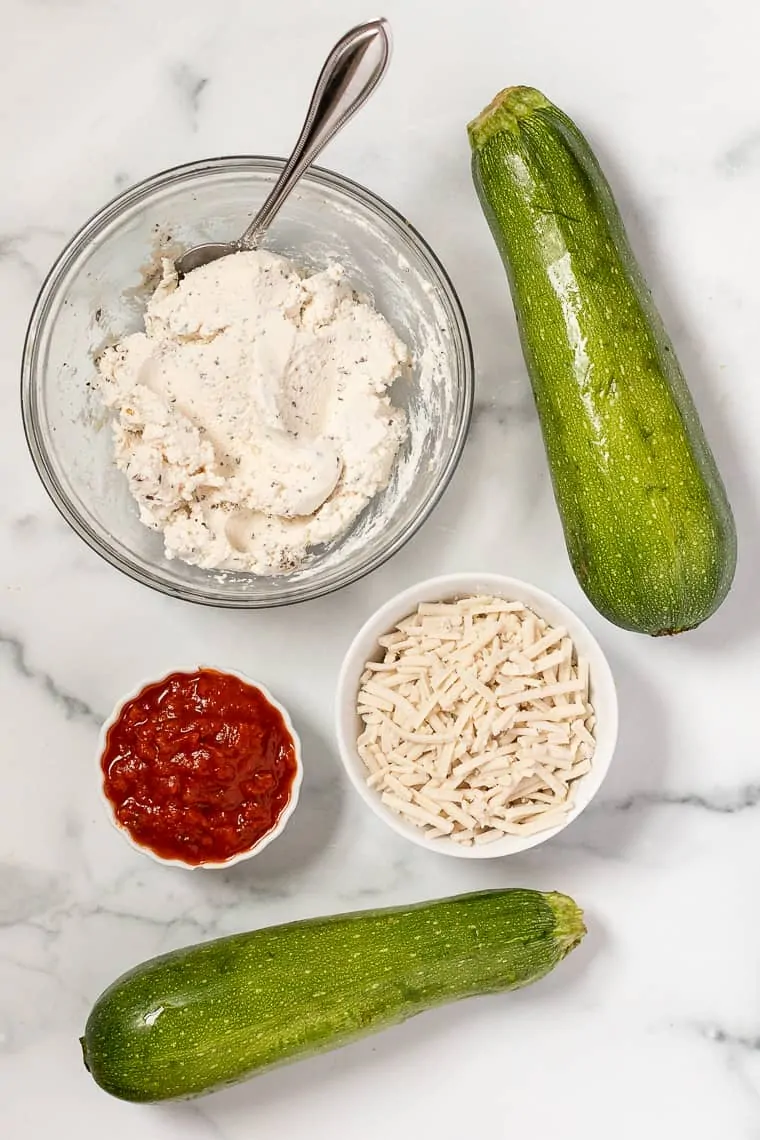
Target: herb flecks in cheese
column 253, row 420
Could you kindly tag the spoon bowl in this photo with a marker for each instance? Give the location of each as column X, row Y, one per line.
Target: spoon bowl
column 350, row 74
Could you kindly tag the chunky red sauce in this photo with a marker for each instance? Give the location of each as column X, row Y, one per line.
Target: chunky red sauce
column 199, row 766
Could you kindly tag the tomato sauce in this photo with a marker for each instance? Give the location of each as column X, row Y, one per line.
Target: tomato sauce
column 198, row 766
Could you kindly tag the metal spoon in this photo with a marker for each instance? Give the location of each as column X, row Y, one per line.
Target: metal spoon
column 350, row 74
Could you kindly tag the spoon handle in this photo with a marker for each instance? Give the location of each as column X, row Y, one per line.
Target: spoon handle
column 350, row 74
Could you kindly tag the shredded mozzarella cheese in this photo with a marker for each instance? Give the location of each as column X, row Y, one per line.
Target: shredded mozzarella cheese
column 477, row 720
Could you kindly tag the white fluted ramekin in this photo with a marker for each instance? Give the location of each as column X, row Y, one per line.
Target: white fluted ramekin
column 266, row 839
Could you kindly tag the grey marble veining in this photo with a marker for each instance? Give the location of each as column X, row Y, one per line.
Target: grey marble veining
column 69, row 705
column 652, row 1027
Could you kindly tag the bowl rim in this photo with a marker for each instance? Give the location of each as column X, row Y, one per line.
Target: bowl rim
column 439, row 588
column 260, row 844
column 186, row 172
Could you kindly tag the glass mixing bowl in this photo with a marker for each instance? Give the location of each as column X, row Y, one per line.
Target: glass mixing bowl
column 96, row 293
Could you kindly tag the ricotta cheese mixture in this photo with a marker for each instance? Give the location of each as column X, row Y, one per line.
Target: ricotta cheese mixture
column 252, row 416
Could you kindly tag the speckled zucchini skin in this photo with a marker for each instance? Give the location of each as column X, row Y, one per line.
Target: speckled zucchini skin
column 648, row 527
column 197, row 1019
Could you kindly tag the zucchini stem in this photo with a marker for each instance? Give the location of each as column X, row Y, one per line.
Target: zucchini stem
column 503, row 113
column 570, row 928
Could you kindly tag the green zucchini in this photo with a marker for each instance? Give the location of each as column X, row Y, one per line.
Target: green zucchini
column 197, row 1019
column 647, row 523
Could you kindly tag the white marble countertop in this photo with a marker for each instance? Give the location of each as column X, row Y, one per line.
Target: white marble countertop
column 651, row 1028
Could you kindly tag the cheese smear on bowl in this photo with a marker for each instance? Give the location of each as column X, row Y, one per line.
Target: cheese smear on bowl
column 252, row 416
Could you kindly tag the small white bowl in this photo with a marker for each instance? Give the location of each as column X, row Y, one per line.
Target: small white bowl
column 448, row 587
column 265, row 840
